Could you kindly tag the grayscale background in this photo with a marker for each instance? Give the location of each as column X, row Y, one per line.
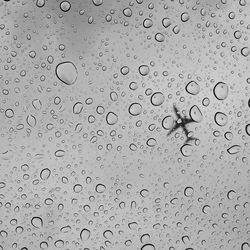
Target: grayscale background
column 125, row 124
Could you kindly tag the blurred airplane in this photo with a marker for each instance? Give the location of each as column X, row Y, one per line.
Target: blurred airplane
column 182, row 122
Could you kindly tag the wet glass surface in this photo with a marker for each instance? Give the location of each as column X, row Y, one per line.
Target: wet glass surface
column 125, row 124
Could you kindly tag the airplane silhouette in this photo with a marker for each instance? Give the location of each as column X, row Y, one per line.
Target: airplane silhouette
column 182, row 122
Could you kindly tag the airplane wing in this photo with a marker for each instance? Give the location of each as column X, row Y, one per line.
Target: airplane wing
column 176, row 126
column 177, row 112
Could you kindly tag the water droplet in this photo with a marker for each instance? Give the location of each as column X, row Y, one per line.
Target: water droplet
column 168, row 122
column 186, row 150
column 37, row 222
column 195, row 114
column 185, row 17
column 148, row 247
column 85, row 234
column 40, row 3
column 245, row 51
column 234, row 149
column 147, row 23
column 151, row 142
column 9, row 113
column 231, row 194
column 220, row 91
column 97, row 2
column 111, row 118
column 135, row 109
column 37, row 104
column 77, row 108
column 127, row 12
column 206, row 209
column 45, row 174
column 100, row 188
column 66, row 72
column 133, row 86
column 65, row 6
column 220, row 119
column 144, row 70
column 144, row 193
column 188, row 191
column 159, row 37
column 31, row 120
column 77, row 188
column 59, row 153
column 157, row 99
column 245, row 246
column 247, row 128
column 192, row 88
column 125, row 70
column 166, row 22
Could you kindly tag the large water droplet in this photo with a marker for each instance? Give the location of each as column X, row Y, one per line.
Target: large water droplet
column 135, row 109
column 157, row 98
column 220, row 91
column 37, row 222
column 220, row 119
column 66, row 72
column 192, row 88
column 234, row 149
column 167, row 122
column 186, row 150
column 111, row 118
column 195, row 114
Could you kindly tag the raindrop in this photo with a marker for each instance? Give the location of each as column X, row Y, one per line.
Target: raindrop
column 231, row 194
column 97, row 2
column 100, row 188
column 77, row 188
column 127, row 12
column 60, row 153
column 45, row 174
column 37, row 222
column 66, row 72
column 77, row 108
column 65, row 6
column 147, row 23
column 186, row 150
column 245, row 51
column 125, row 70
column 151, row 142
column 148, row 247
column 247, row 128
column 166, row 22
column 40, row 3
column 37, row 104
column 220, row 119
column 185, row 17
column 31, row 120
column 192, row 88
column 144, row 193
column 157, row 99
column 195, row 114
column 168, row 122
column 144, row 70
column 245, row 246
column 9, row 113
column 188, row 191
column 135, row 109
column 206, row 209
column 235, row 149
column 133, row 86
column 111, row 118
column 159, row 37
column 84, row 234
column 220, row 91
